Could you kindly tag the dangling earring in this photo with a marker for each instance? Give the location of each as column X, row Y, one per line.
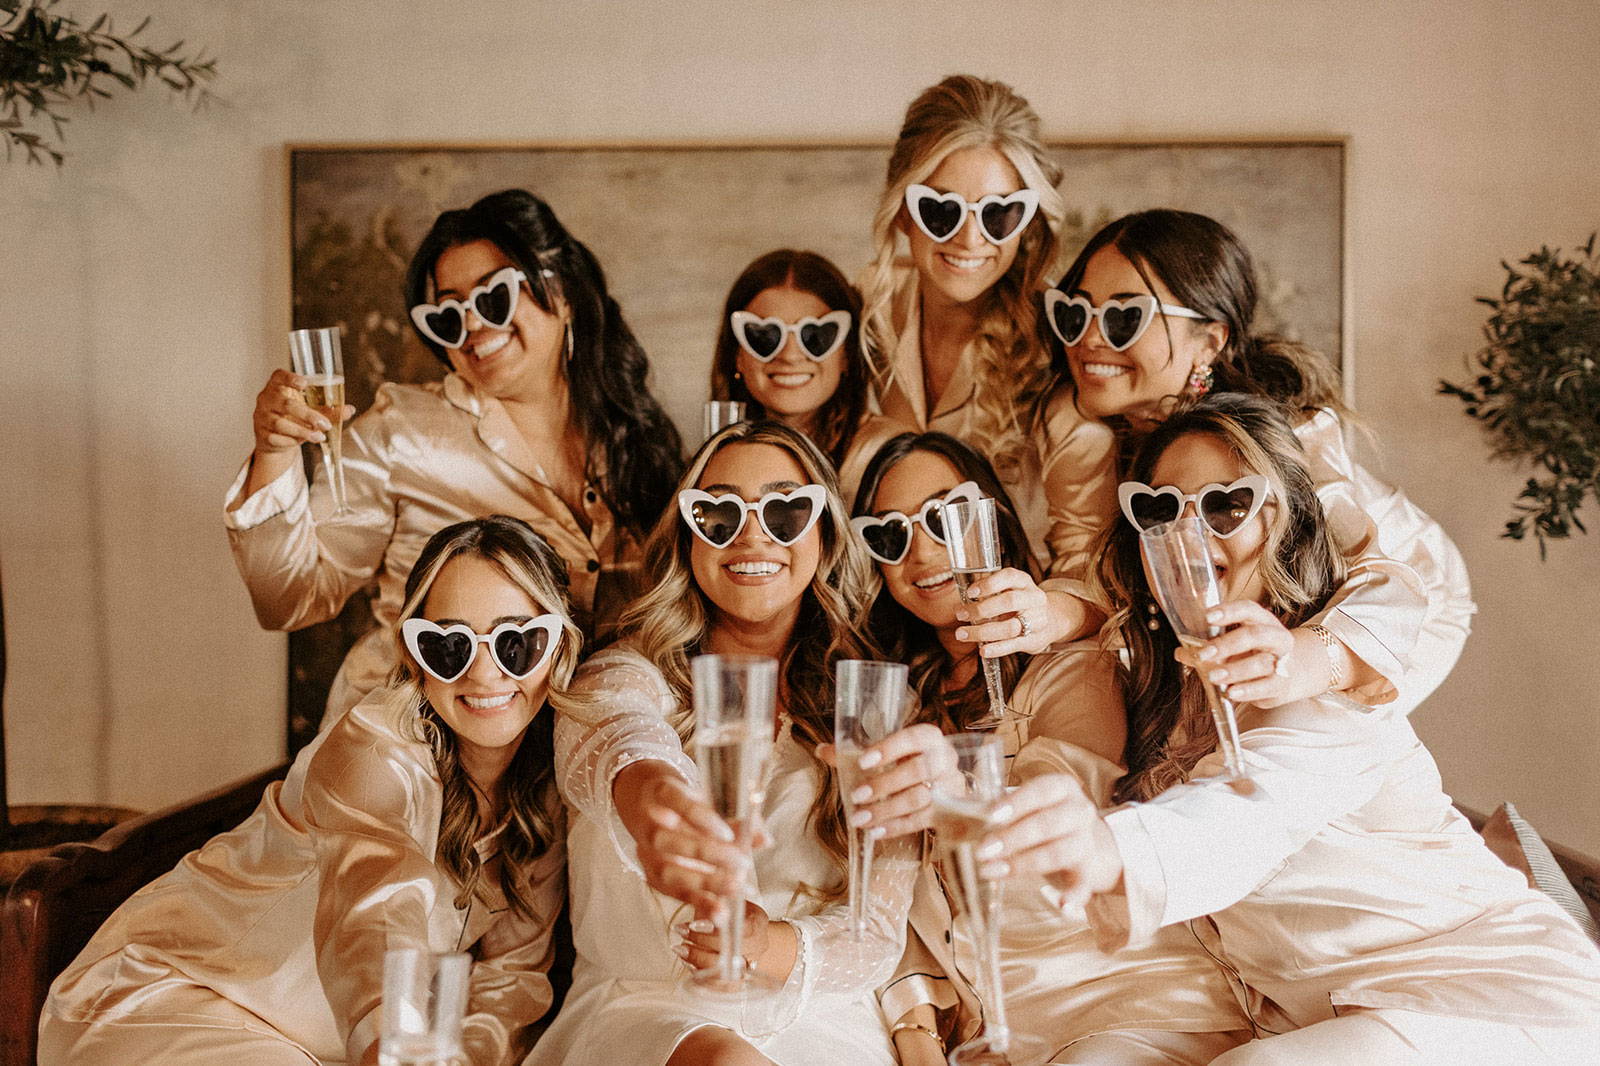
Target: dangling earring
column 737, row 376
column 1155, row 622
column 569, row 340
column 1201, row 379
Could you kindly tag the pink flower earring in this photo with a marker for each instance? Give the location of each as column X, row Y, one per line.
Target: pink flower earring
column 1201, row 378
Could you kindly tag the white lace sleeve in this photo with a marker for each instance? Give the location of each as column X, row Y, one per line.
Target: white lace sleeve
column 831, row 959
column 629, row 702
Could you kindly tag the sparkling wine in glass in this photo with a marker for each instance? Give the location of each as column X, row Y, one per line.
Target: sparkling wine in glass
column 734, row 700
column 972, row 537
column 720, row 414
column 314, row 354
column 963, row 806
column 424, row 1001
column 869, row 703
column 1183, row 577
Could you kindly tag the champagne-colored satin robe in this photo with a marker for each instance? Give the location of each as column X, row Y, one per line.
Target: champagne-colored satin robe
column 625, row 1005
column 288, row 917
column 420, row 458
column 1422, row 655
column 1343, row 878
column 1059, row 986
column 1065, row 488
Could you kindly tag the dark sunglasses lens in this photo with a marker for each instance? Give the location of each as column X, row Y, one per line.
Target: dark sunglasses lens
column 818, row 338
column 940, row 217
column 518, row 651
column 763, row 339
column 494, row 305
column 1225, row 512
column 933, row 522
column 786, row 519
column 1000, row 221
column 447, row 325
column 1152, row 510
column 717, row 522
column 1121, row 324
column 445, row 654
column 889, row 540
column 1072, row 321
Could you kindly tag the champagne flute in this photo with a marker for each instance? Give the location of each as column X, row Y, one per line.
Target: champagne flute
column 720, row 414
column 314, row 355
column 424, row 1001
column 734, row 697
column 972, row 537
column 1183, row 577
column 963, row 806
column 869, row 703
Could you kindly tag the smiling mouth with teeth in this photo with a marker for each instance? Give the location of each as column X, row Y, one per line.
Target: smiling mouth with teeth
column 488, row 703
column 963, row 262
column 1106, row 370
column 492, row 345
column 790, row 380
column 754, row 569
column 933, row 581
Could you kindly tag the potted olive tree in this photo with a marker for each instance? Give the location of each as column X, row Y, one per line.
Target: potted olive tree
column 1537, row 391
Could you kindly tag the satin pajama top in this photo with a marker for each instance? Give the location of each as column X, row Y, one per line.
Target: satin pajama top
column 1344, row 878
column 420, row 458
column 289, row 915
column 1059, row 986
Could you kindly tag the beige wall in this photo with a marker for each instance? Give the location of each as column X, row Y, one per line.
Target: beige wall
column 145, row 296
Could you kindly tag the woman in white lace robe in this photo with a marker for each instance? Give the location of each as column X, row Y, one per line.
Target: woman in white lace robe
column 762, row 563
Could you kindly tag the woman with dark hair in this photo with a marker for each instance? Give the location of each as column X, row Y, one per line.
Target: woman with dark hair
column 789, row 347
column 427, row 817
column 1062, row 716
column 1156, row 311
column 1363, row 916
column 545, row 415
column 758, row 560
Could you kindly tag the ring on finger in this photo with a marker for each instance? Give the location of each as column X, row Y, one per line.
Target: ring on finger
column 1280, row 666
column 1022, row 620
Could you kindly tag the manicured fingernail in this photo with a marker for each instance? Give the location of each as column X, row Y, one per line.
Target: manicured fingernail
column 681, row 950
column 319, row 437
column 723, row 832
column 961, row 634
column 860, row 818
column 877, row 832
column 961, row 615
column 1218, row 676
column 1002, row 813
column 861, row 794
column 702, row 925
column 1208, row 653
column 993, row 871
column 870, row 759
column 989, row 849
column 1213, row 617
column 323, row 423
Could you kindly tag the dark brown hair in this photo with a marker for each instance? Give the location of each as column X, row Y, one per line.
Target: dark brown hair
column 811, row 273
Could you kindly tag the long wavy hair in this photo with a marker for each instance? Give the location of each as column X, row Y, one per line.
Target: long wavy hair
column 1208, row 269
column 1300, row 565
column 808, row 272
column 1011, row 370
column 903, row 636
column 631, row 447
column 532, row 806
column 670, row 623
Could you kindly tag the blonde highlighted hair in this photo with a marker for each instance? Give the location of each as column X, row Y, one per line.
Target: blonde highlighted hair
column 1011, row 370
column 532, row 807
column 670, row 623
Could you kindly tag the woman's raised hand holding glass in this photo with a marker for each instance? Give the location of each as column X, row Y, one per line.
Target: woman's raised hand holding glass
column 871, row 700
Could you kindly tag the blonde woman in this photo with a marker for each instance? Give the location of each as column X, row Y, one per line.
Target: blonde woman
column 951, row 331
column 759, row 561
column 424, row 817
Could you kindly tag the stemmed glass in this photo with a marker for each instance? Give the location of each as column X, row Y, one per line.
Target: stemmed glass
column 424, row 1001
column 734, row 696
column 1183, row 576
column 869, row 703
column 972, row 537
column 963, row 805
column 314, row 354
column 720, row 414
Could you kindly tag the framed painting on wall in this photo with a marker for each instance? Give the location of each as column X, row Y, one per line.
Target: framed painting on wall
column 674, row 225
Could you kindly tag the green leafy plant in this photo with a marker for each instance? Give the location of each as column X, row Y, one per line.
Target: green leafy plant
column 50, row 61
column 1538, row 393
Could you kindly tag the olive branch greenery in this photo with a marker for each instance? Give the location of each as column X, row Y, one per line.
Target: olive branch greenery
column 48, row 61
column 1538, row 392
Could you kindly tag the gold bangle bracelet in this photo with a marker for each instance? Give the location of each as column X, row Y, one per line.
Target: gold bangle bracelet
column 1335, row 674
column 916, row 1027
